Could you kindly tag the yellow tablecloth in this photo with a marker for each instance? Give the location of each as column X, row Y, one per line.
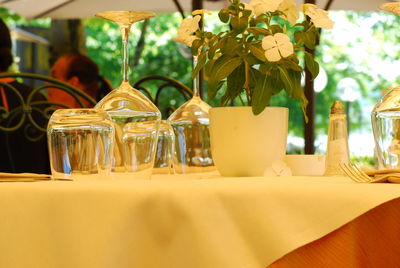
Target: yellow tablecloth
column 175, row 221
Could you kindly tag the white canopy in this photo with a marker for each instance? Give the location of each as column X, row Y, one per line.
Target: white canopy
column 62, row 9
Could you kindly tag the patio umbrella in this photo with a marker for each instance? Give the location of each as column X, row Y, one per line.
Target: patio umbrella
column 67, row 9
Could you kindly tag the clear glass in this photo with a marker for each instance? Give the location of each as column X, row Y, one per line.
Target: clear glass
column 337, row 148
column 130, row 109
column 191, row 126
column 165, row 148
column 80, row 144
column 385, row 119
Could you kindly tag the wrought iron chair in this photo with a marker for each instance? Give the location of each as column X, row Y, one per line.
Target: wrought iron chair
column 23, row 126
column 166, row 89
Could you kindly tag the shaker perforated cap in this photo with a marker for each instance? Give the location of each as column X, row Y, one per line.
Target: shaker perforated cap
column 337, row 108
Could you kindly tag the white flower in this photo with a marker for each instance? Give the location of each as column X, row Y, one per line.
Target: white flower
column 318, row 16
column 278, row 168
column 277, row 46
column 186, row 30
column 201, row 12
column 262, row 6
column 391, row 7
column 289, row 8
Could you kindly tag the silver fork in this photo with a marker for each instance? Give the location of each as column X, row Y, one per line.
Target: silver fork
column 357, row 175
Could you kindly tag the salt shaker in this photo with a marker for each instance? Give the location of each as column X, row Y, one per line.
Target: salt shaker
column 337, row 147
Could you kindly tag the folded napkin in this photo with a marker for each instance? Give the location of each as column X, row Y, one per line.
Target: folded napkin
column 377, row 172
column 23, row 177
column 384, row 175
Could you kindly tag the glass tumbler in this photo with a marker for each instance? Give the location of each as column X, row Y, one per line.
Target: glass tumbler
column 165, row 147
column 80, row 143
column 139, row 141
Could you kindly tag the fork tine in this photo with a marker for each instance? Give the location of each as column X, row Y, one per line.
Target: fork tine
column 354, row 173
column 349, row 173
column 361, row 173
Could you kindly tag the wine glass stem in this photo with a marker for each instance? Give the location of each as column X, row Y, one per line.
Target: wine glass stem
column 196, row 80
column 125, row 29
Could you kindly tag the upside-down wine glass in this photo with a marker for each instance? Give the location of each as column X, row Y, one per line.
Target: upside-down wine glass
column 385, row 119
column 135, row 117
column 190, row 123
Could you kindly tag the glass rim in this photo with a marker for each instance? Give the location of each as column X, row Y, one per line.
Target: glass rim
column 81, row 114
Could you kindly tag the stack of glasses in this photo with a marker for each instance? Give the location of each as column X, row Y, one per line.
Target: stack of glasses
column 124, row 137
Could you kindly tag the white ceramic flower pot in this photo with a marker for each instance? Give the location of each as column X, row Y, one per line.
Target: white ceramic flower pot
column 243, row 144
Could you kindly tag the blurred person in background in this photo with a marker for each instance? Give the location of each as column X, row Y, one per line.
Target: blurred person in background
column 8, row 99
column 80, row 72
column 24, row 149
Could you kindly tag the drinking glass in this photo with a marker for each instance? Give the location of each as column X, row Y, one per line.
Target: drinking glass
column 130, row 109
column 191, row 126
column 165, row 147
column 80, row 144
column 137, row 141
column 385, row 119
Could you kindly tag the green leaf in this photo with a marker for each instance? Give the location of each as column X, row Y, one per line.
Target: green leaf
column 247, row 13
column 291, row 79
column 224, row 15
column 225, row 98
column 213, row 89
column 266, row 67
column 224, row 66
column 196, row 45
column 254, row 75
column 239, row 24
column 215, row 47
column 252, row 60
column 235, row 81
column 276, row 82
column 275, row 29
column 310, row 39
column 201, row 60
column 209, row 35
column 311, row 64
column 262, row 94
column 288, row 80
column 291, row 65
column 257, row 31
column 298, row 37
column 208, row 69
column 258, row 52
column 230, row 47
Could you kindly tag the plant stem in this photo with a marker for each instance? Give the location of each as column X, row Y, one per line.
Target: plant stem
column 246, row 83
column 241, row 100
column 196, row 80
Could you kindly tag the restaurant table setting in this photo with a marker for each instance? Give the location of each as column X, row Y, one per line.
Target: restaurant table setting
column 197, row 220
column 131, row 190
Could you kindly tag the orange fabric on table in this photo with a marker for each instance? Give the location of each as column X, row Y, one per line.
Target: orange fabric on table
column 370, row 240
column 61, row 97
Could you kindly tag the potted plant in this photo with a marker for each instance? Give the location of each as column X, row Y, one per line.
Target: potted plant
column 255, row 58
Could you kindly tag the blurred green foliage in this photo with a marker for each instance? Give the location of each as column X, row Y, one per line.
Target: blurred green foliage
column 364, row 162
column 13, row 19
column 338, row 53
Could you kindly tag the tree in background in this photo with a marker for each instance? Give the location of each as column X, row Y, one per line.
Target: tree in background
column 362, row 46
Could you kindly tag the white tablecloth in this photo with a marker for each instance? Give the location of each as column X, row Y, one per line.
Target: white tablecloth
column 173, row 221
